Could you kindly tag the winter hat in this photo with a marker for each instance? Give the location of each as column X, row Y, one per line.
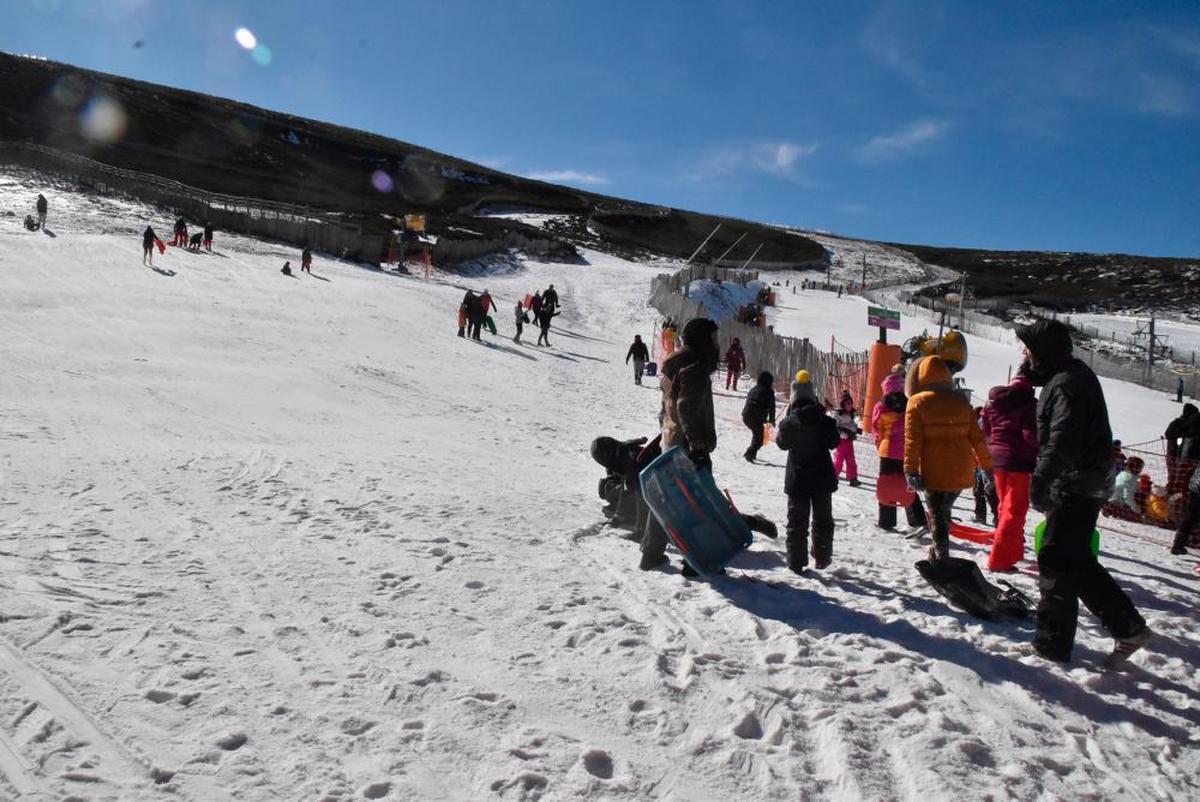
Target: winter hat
column 604, row 451
column 697, row 333
column 802, row 377
column 893, row 382
column 802, row 391
column 927, row 373
column 765, row 379
column 1048, row 340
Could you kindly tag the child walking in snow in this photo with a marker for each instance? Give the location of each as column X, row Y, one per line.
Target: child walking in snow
column 808, row 434
column 758, row 412
column 847, row 428
column 887, row 421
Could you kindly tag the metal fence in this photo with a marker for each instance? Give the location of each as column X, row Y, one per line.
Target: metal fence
column 765, row 350
column 298, row 225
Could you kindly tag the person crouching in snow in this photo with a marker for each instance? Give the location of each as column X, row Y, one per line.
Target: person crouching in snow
column 887, row 421
column 941, row 444
column 847, row 427
column 758, row 412
column 1010, row 426
column 808, row 435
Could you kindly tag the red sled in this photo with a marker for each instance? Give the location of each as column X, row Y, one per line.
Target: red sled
column 527, row 301
column 891, row 490
column 161, row 248
column 971, row 533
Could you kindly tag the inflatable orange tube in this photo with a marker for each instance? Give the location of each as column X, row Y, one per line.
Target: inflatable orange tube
column 883, row 357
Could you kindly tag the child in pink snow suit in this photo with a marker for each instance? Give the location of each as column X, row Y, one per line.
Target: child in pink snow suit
column 847, row 427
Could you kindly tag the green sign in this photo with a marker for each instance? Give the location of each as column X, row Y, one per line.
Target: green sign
column 883, row 318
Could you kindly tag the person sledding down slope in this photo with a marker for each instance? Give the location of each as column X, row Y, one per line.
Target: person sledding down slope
column 1071, row 480
column 687, row 419
column 939, row 437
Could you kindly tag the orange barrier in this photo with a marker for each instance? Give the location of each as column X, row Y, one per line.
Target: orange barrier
column 883, row 357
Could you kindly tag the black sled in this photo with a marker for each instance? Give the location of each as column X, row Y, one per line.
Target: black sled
column 963, row 585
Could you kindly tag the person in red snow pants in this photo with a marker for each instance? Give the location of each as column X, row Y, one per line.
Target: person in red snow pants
column 1010, row 424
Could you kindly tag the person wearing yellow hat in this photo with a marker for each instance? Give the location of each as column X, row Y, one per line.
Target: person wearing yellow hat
column 802, row 388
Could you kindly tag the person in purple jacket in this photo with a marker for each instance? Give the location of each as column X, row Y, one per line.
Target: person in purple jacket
column 1010, row 424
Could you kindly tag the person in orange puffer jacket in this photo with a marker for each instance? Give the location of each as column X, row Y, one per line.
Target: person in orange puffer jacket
column 941, row 444
column 887, row 422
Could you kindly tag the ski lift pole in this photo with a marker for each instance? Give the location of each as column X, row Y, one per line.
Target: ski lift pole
column 751, row 259
column 730, row 248
column 702, row 244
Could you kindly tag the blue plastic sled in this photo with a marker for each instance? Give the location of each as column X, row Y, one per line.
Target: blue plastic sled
column 698, row 519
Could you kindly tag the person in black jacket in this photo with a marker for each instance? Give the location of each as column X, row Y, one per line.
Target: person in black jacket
column 543, row 320
column 640, row 356
column 550, row 298
column 41, row 210
column 808, row 435
column 758, row 412
column 1072, row 479
column 1183, row 444
column 148, row 239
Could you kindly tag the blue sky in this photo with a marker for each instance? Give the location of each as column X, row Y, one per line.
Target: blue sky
column 1040, row 125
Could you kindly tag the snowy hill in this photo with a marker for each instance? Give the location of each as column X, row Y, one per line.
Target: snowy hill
column 266, row 537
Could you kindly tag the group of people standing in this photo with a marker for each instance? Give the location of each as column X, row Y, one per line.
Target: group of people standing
column 204, row 238
column 1054, row 450
column 475, row 314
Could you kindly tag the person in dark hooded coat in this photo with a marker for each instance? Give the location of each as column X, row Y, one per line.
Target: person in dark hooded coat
column 686, row 415
column 1071, row 480
column 1183, row 447
column 808, row 435
column 758, row 412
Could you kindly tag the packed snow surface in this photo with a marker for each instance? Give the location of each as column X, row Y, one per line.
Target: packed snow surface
column 265, row 537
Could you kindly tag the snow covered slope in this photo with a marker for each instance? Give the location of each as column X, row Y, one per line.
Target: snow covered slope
column 289, row 538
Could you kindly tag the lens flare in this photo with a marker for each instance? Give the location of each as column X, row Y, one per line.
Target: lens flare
column 382, row 181
column 246, row 38
column 261, row 55
column 102, row 120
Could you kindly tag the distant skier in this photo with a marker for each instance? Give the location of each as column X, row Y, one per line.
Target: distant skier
column 847, row 426
column 208, row 236
column 735, row 363
column 640, row 356
column 148, row 240
column 808, row 435
column 1073, row 477
column 758, row 411
column 521, row 318
column 550, row 298
column 41, row 213
column 306, row 261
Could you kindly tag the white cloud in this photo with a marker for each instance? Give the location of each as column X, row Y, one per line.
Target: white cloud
column 779, row 159
column 568, row 177
column 895, row 145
